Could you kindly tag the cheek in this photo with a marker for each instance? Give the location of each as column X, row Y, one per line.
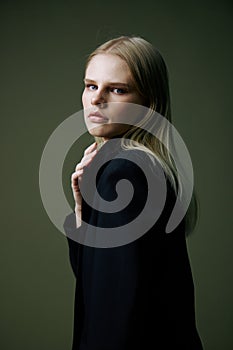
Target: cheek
column 125, row 113
column 84, row 99
column 138, row 99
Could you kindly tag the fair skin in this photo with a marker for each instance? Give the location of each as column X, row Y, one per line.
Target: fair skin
column 107, row 80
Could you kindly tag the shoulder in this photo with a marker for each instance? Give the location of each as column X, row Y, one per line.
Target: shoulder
column 131, row 170
column 136, row 165
column 128, row 160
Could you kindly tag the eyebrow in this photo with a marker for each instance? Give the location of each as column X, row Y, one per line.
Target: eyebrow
column 110, row 83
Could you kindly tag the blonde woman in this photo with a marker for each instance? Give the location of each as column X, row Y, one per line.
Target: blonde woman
column 136, row 293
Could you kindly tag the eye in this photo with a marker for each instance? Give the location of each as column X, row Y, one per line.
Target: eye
column 91, row 87
column 119, row 91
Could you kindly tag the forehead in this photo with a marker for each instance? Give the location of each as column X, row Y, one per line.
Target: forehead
column 109, row 67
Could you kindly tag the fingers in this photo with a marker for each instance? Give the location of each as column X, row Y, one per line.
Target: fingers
column 91, row 148
column 85, row 161
column 87, row 158
column 89, row 154
column 76, row 177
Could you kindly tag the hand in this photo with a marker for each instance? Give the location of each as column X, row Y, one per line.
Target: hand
column 76, row 178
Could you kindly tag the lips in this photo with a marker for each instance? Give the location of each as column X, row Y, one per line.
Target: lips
column 96, row 117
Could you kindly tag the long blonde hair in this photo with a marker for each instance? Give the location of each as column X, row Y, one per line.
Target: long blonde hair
column 150, row 76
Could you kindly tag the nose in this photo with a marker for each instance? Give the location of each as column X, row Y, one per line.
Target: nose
column 99, row 97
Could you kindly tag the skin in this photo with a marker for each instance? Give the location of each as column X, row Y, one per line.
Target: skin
column 107, row 80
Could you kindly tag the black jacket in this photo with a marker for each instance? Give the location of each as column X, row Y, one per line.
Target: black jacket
column 139, row 295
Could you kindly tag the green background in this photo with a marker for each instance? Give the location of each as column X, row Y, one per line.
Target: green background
column 43, row 50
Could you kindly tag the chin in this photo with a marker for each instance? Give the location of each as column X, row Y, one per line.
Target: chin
column 97, row 132
column 108, row 131
column 100, row 131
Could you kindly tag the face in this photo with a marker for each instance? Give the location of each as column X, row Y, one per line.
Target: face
column 108, row 80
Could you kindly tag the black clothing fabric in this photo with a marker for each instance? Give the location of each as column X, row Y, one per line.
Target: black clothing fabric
column 139, row 295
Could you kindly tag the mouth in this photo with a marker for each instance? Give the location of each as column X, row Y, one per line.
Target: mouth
column 96, row 117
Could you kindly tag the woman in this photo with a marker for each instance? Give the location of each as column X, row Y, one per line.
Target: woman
column 138, row 293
